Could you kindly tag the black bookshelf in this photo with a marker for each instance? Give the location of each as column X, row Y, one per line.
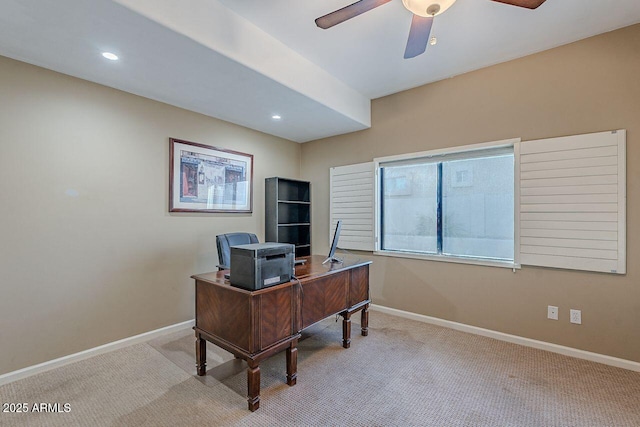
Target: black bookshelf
column 288, row 213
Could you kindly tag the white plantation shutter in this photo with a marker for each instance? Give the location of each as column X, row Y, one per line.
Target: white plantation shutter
column 573, row 202
column 352, row 201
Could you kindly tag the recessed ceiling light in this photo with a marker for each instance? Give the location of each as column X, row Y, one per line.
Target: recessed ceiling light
column 276, row 117
column 110, row 56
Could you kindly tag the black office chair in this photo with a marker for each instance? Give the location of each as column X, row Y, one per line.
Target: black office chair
column 224, row 243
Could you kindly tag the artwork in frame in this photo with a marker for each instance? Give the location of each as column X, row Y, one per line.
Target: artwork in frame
column 209, row 179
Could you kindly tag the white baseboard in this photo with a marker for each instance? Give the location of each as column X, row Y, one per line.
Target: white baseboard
column 56, row 363
column 528, row 342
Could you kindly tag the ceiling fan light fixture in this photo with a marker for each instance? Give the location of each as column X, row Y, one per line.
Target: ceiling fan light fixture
column 427, row 8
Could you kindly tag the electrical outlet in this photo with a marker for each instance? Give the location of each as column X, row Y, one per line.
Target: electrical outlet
column 575, row 316
column 552, row 312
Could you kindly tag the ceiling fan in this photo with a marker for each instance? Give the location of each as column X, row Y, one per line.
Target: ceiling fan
column 423, row 13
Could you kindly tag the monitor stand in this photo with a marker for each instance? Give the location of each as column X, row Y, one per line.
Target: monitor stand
column 332, row 260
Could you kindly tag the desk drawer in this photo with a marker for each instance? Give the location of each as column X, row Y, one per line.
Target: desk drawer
column 224, row 313
column 276, row 316
column 359, row 285
column 323, row 297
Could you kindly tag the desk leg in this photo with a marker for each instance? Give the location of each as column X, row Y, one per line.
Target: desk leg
column 253, row 385
column 346, row 329
column 201, row 355
column 364, row 320
column 292, row 363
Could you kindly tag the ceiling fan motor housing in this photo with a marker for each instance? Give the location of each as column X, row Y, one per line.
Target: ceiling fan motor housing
column 427, row 7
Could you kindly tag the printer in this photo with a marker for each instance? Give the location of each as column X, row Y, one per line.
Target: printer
column 260, row 265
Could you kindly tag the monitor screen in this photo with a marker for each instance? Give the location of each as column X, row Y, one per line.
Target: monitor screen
column 334, row 245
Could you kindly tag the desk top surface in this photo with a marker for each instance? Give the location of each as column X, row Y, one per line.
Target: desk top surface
column 309, row 270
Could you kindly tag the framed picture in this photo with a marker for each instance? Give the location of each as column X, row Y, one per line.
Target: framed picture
column 209, row 179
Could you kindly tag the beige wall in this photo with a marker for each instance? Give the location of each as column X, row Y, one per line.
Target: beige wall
column 589, row 86
column 78, row 272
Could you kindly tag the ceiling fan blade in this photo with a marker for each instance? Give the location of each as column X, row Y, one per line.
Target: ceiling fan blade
column 348, row 12
column 529, row 4
column 418, row 36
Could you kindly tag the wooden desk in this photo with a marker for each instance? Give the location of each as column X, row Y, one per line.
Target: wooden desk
column 254, row 325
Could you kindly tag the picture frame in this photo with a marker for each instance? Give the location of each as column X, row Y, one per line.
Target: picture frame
column 203, row 178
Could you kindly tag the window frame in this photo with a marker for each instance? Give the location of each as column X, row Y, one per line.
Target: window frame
column 434, row 154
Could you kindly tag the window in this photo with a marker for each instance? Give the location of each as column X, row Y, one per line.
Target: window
column 557, row 202
column 410, row 208
column 451, row 205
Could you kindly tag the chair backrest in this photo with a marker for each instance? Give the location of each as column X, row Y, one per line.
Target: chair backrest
column 224, row 243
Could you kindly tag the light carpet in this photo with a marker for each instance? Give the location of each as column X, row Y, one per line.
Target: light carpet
column 404, row 373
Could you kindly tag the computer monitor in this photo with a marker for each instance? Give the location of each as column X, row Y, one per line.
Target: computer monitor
column 336, row 236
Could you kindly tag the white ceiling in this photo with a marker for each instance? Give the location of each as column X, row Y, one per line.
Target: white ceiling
column 366, row 52
column 245, row 60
